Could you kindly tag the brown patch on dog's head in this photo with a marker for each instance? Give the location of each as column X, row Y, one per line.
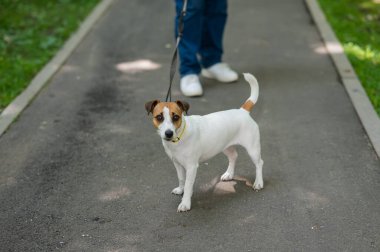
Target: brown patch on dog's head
column 158, row 114
column 176, row 110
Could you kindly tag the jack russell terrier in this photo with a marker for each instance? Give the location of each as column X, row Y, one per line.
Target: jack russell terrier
column 190, row 140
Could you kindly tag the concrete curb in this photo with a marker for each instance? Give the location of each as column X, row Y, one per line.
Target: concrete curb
column 14, row 109
column 356, row 92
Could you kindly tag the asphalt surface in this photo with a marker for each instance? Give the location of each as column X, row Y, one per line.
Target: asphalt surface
column 82, row 169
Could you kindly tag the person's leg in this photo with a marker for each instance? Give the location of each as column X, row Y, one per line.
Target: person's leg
column 192, row 34
column 211, row 50
column 215, row 18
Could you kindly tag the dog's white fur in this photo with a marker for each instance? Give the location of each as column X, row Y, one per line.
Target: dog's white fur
column 206, row 136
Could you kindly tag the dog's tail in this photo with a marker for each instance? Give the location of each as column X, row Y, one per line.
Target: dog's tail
column 251, row 101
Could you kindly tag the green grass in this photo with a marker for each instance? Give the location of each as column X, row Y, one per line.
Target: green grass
column 31, row 32
column 357, row 25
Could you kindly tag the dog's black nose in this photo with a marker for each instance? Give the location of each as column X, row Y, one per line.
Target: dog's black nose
column 169, row 133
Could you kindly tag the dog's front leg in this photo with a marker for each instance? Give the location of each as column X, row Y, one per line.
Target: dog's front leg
column 191, row 172
column 181, row 179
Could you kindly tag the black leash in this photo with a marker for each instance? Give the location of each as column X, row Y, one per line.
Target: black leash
column 173, row 66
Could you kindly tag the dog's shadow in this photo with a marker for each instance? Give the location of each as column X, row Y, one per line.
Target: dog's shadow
column 215, row 192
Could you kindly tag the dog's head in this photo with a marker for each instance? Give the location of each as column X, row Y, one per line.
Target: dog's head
column 167, row 117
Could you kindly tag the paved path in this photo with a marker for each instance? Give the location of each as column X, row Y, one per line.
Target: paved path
column 83, row 170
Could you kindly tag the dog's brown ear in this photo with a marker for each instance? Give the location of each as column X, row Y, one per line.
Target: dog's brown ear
column 183, row 105
column 149, row 106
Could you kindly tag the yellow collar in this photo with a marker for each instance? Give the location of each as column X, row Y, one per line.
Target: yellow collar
column 176, row 140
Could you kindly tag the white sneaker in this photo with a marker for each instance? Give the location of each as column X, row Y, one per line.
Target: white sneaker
column 191, row 86
column 221, row 72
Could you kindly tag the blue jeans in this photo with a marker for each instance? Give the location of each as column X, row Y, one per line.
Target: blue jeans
column 202, row 41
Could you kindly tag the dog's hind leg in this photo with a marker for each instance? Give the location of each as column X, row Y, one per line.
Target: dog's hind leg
column 255, row 155
column 259, row 183
column 232, row 155
column 253, row 147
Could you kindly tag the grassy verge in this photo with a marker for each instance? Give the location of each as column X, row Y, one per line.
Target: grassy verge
column 31, row 32
column 357, row 25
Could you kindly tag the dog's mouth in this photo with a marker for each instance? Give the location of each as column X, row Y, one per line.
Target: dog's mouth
column 168, row 139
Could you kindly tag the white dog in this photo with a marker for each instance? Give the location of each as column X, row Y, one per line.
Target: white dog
column 189, row 140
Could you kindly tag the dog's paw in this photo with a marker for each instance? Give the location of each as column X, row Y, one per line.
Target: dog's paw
column 183, row 207
column 258, row 185
column 177, row 191
column 226, row 176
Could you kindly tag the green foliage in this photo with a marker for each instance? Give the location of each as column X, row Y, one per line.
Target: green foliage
column 31, row 32
column 357, row 25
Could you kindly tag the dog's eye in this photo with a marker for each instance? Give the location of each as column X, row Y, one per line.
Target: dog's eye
column 175, row 118
column 159, row 118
